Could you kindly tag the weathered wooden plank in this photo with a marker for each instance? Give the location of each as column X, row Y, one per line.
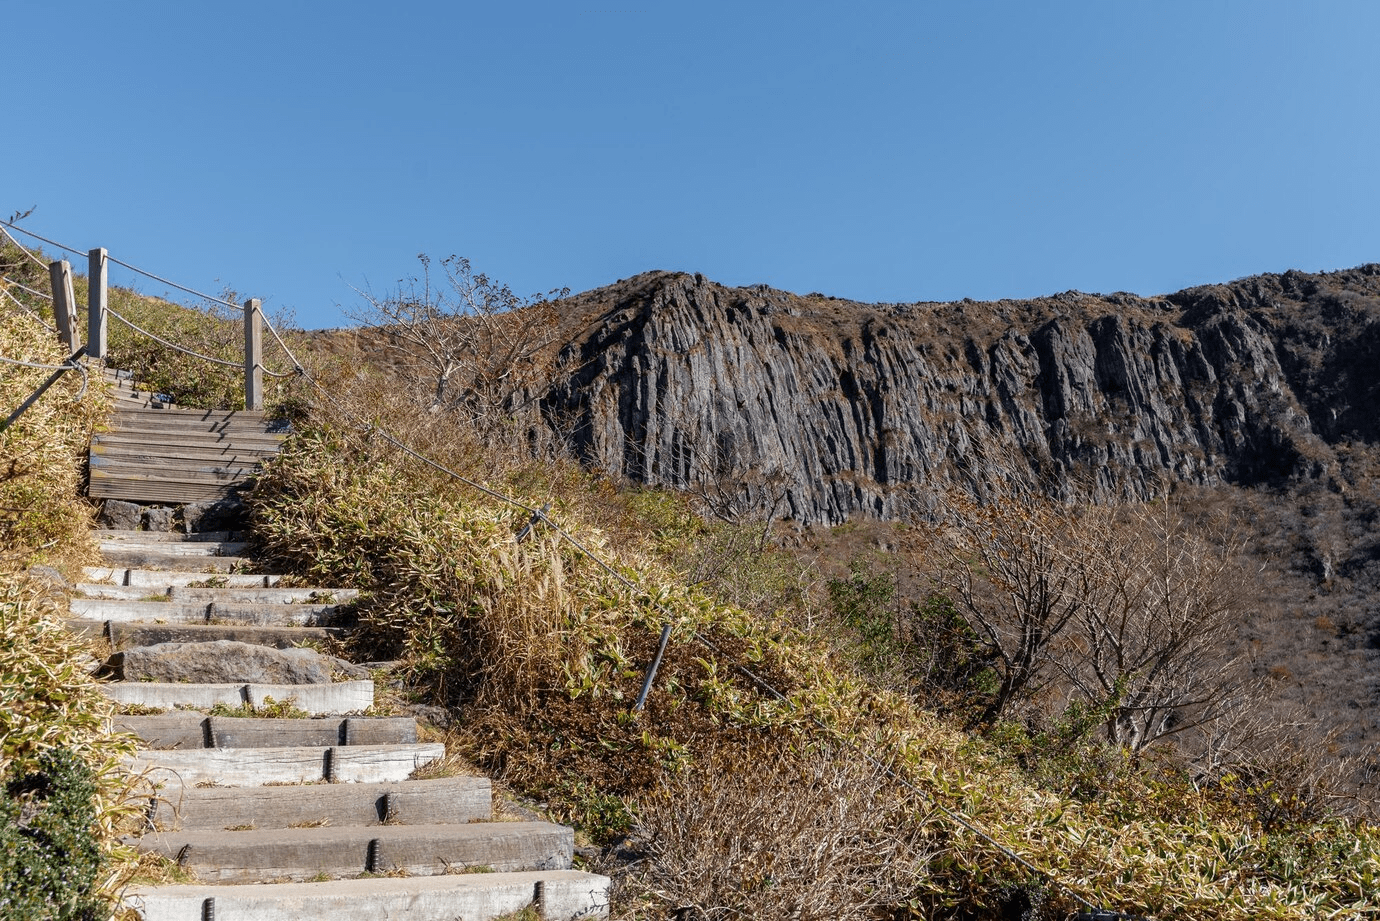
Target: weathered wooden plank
column 180, row 729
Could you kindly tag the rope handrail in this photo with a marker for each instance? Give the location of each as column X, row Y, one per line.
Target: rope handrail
column 22, row 248
column 184, row 288
column 30, row 311
column 74, row 252
column 539, row 514
column 71, row 364
column 173, row 345
column 25, row 288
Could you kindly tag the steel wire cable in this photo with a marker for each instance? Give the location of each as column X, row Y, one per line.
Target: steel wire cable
column 75, row 252
column 30, row 311
column 65, row 366
column 26, row 288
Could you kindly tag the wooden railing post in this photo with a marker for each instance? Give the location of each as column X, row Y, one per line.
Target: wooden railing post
column 95, row 304
column 64, row 303
column 253, row 355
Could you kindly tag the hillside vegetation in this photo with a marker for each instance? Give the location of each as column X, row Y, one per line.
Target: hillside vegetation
column 64, row 801
column 812, row 747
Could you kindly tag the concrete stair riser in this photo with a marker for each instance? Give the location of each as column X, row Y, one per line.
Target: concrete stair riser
column 254, row 767
column 203, row 612
column 300, row 854
column 563, row 896
column 194, row 730
column 209, row 565
column 451, row 800
column 162, row 579
column 315, row 699
column 126, row 636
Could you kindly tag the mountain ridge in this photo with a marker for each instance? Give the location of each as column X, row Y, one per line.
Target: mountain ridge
column 844, row 408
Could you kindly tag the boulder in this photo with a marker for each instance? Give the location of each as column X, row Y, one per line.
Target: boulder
column 121, row 516
column 227, row 514
column 158, row 518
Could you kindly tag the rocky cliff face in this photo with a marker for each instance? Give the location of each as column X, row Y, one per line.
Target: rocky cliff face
column 840, row 408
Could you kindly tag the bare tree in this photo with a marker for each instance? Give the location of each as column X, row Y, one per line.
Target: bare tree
column 1125, row 610
column 471, row 345
column 1007, row 565
column 1149, row 639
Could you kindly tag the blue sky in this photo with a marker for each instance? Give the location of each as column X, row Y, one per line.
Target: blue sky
column 880, row 151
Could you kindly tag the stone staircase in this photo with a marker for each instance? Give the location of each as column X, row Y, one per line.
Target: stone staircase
column 287, row 818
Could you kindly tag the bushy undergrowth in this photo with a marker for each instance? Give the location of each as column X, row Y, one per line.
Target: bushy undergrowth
column 544, row 652
column 51, row 711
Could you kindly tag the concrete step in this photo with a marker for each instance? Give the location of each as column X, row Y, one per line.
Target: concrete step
column 177, row 548
column 131, row 558
column 123, row 636
column 159, row 578
column 561, row 895
column 274, row 854
column 166, row 537
column 203, row 612
column 189, row 729
column 445, row 800
column 181, row 769
column 257, row 595
column 316, row 699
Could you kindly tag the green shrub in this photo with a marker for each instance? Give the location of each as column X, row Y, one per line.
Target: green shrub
column 50, row 854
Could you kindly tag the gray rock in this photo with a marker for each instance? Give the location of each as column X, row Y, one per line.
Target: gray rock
column 225, row 661
column 226, row 514
column 159, row 518
column 121, row 516
column 50, row 575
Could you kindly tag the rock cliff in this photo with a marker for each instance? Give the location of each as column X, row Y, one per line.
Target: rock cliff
column 838, row 408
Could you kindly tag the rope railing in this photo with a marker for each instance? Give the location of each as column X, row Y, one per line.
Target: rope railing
column 30, row 311
column 253, row 364
column 62, row 246
column 25, row 288
column 173, row 345
column 22, row 248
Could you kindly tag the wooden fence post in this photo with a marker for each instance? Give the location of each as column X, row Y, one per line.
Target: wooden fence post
column 253, row 355
column 95, row 304
column 64, row 303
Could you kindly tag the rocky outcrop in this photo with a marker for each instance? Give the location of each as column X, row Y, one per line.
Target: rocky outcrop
column 839, row 408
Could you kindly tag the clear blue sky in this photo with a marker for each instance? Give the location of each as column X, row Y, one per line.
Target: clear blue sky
column 881, row 151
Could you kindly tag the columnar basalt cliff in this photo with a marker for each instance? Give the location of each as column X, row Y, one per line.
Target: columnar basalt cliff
column 843, row 408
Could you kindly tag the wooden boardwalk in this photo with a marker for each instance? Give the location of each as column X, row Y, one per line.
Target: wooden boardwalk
column 156, row 452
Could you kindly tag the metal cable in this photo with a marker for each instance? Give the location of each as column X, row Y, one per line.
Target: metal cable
column 22, row 249
column 214, row 300
column 26, row 288
column 37, row 237
column 173, row 345
column 30, row 311
column 65, row 366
